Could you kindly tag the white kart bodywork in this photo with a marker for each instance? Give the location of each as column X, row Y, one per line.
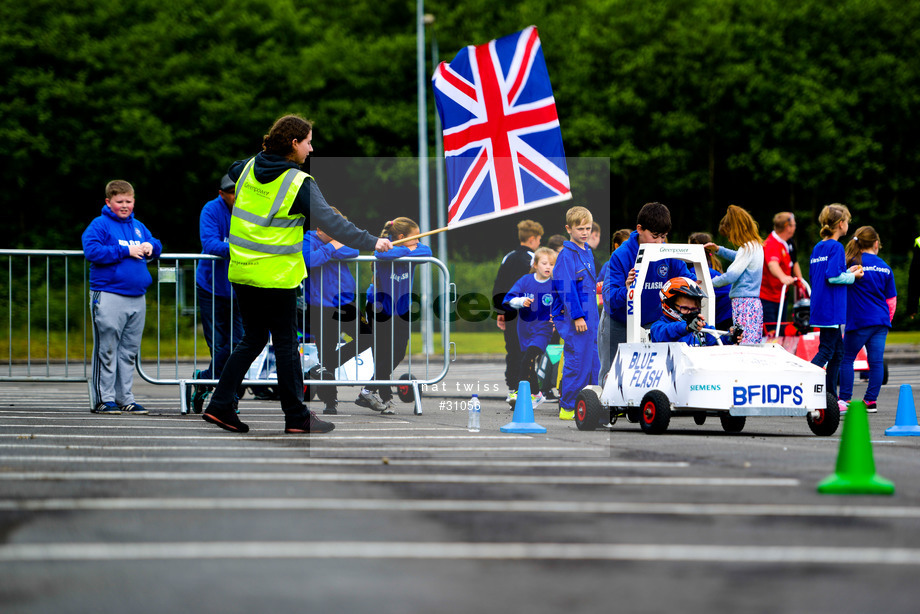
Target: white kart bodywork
column 742, row 380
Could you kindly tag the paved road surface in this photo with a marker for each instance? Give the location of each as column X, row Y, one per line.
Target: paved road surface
column 413, row 513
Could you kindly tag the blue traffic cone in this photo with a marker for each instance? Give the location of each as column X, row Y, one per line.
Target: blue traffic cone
column 522, row 420
column 905, row 421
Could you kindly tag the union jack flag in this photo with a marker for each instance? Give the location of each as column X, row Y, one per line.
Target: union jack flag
column 502, row 142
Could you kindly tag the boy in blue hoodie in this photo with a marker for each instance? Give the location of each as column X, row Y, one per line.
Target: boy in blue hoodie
column 118, row 247
column 330, row 291
column 575, row 310
column 652, row 226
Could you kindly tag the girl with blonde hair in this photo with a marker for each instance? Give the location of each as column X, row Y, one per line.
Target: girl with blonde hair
column 388, row 310
column 744, row 273
column 829, row 275
column 870, row 306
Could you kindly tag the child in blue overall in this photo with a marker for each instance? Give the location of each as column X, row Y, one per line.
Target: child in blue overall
column 532, row 296
column 575, row 310
column 829, row 276
column 681, row 320
column 870, row 306
column 389, row 300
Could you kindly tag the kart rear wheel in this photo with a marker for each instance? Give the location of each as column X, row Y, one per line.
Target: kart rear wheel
column 588, row 410
column 656, row 413
column 732, row 424
column 828, row 418
column 699, row 419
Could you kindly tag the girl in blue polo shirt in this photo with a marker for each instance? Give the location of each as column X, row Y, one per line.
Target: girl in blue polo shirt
column 532, row 296
column 870, row 306
column 389, row 301
column 829, row 275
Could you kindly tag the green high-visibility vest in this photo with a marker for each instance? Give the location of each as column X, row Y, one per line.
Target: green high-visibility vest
column 266, row 239
column 917, row 242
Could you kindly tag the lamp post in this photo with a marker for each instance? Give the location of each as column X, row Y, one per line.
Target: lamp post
column 423, row 204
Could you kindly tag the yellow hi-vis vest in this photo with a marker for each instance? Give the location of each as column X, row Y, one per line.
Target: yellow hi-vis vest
column 266, row 239
column 917, row 242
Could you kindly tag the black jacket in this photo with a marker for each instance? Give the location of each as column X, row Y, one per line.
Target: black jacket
column 514, row 265
column 309, row 202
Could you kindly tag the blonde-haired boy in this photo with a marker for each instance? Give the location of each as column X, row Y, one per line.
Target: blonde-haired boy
column 575, row 309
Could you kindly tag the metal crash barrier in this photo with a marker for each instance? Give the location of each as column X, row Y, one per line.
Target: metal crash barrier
column 49, row 336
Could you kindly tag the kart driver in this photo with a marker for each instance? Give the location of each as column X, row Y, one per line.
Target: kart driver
column 681, row 317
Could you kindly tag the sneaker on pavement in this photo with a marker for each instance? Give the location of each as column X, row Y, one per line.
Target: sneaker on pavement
column 843, row 405
column 512, row 395
column 134, row 408
column 371, row 400
column 200, row 394
column 331, row 409
column 390, row 407
column 536, row 399
column 871, row 407
column 307, row 424
column 226, row 419
column 566, row 414
column 107, row 407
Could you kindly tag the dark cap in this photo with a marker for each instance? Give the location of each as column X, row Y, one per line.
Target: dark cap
column 226, row 184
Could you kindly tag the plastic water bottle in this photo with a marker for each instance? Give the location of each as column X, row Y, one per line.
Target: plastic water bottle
column 474, row 411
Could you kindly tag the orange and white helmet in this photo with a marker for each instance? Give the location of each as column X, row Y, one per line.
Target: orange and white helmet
column 674, row 287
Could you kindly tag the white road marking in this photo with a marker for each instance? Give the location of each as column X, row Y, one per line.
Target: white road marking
column 487, row 463
column 441, row 478
column 490, row 506
column 202, row 426
column 257, row 437
column 753, row 554
column 314, row 447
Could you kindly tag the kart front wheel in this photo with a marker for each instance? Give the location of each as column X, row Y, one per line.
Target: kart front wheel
column 699, row 419
column 732, row 424
column 656, row 413
column 588, row 410
column 828, row 418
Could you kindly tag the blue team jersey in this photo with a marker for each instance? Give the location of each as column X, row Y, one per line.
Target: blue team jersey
column 534, row 325
column 723, row 300
column 393, row 282
column 615, row 291
column 574, row 288
column 867, row 298
column 828, row 301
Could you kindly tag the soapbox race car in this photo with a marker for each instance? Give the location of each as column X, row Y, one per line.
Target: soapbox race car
column 650, row 383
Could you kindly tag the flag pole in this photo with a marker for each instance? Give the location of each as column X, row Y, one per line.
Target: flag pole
column 424, row 234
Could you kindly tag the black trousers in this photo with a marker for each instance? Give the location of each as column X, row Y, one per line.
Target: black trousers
column 529, row 362
column 390, row 336
column 513, row 354
column 326, row 326
column 266, row 311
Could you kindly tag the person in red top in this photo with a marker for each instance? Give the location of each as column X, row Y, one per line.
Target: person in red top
column 778, row 267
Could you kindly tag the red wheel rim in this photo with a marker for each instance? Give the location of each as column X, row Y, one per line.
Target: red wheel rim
column 581, row 410
column 821, row 413
column 648, row 412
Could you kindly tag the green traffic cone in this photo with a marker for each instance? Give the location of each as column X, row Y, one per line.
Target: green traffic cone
column 855, row 473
